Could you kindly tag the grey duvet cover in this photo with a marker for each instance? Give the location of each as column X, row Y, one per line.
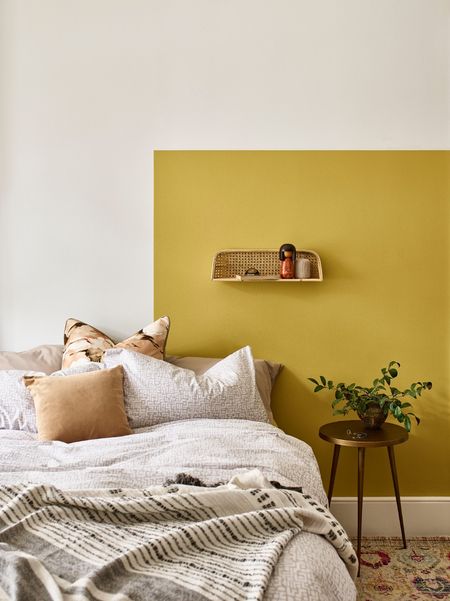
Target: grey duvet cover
column 212, row 450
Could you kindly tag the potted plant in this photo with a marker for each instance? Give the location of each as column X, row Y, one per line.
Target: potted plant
column 374, row 403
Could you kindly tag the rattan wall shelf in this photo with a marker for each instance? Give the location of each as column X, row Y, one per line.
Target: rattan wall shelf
column 231, row 265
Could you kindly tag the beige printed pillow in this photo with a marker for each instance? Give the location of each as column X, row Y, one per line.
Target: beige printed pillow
column 84, row 343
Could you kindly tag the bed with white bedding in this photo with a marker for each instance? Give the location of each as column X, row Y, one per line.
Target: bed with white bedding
column 105, row 515
column 213, row 450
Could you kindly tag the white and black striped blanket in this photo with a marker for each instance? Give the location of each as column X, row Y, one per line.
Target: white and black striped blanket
column 177, row 543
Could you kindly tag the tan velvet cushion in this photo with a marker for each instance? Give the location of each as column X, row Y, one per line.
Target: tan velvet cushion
column 84, row 343
column 79, row 407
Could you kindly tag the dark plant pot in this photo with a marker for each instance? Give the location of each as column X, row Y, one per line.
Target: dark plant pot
column 373, row 417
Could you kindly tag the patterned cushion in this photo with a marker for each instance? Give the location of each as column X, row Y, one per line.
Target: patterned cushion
column 158, row 392
column 16, row 402
column 84, row 343
column 266, row 373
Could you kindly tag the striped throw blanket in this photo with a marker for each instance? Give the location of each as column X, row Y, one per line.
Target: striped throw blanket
column 178, row 543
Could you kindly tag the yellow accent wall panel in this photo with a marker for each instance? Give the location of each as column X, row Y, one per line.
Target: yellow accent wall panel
column 379, row 221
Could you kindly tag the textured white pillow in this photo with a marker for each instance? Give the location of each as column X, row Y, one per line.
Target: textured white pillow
column 266, row 373
column 16, row 403
column 46, row 358
column 157, row 392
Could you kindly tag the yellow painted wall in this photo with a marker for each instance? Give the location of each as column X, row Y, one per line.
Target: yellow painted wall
column 379, row 221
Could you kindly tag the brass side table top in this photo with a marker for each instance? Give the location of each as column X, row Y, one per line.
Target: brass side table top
column 337, row 433
column 355, row 434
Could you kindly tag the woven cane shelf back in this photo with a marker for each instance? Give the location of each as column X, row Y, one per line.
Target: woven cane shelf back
column 232, row 265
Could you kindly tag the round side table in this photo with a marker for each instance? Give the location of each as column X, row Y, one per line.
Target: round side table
column 355, row 434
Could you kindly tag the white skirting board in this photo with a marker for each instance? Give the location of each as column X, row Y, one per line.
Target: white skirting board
column 422, row 516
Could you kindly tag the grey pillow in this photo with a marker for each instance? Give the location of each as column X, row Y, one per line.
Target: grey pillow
column 45, row 358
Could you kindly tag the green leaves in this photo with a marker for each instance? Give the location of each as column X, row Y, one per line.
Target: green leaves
column 318, row 387
column 389, row 372
column 407, row 423
column 421, row 386
column 352, row 397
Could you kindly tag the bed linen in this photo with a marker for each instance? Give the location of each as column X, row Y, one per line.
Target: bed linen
column 212, row 450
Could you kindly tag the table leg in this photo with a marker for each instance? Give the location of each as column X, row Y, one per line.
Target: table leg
column 361, row 456
column 397, row 491
column 334, row 465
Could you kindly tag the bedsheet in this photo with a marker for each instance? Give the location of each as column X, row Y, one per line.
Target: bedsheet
column 212, row 450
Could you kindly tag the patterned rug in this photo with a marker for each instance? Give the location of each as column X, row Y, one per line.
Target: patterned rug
column 391, row 573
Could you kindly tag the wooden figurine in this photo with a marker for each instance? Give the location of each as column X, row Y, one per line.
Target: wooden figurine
column 287, row 256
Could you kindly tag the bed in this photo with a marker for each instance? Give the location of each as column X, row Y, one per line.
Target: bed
column 211, row 450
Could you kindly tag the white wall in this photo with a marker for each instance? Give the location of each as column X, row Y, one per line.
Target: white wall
column 89, row 88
